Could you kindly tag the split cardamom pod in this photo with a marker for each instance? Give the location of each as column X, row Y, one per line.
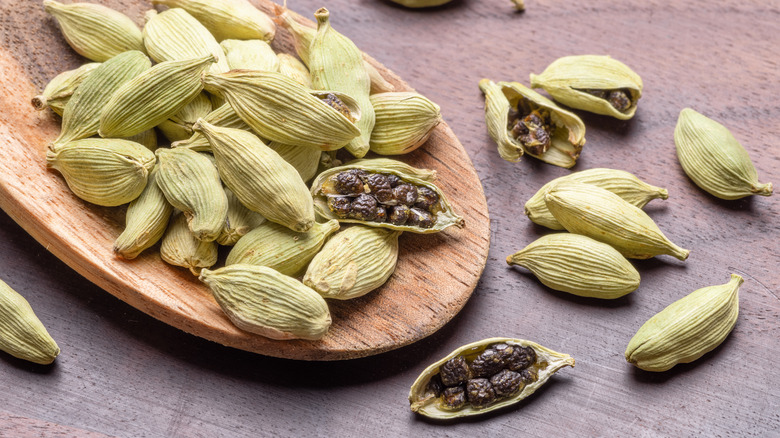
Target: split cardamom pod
column 578, row 265
column 404, row 121
column 260, row 300
column 178, row 127
column 602, row 215
column 250, row 55
column 146, row 219
column 181, row 248
column 484, row 376
column 714, row 159
column 599, row 84
column 22, row 335
column 686, row 329
column 59, row 90
column 226, row 19
column 239, row 221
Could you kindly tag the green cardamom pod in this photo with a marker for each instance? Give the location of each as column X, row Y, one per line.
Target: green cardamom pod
column 179, row 126
column 280, row 248
column 260, row 300
column 240, row 220
column 145, row 221
column 152, row 97
column 224, row 116
column 714, row 159
column 622, row 183
column 686, row 329
column 404, row 121
column 578, row 265
column 146, row 138
column 95, row 31
column 227, row 19
column 22, row 335
column 294, row 69
column 107, row 172
column 304, row 159
column 190, row 182
column 250, row 55
column 181, row 248
column 59, row 90
column 602, row 215
column 598, row 84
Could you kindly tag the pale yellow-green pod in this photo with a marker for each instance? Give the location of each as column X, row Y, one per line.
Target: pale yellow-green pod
column 147, row 138
column 260, row 300
column 602, row 215
column 22, row 335
column 250, row 55
column 240, row 220
column 404, row 121
column 145, row 221
column 353, row 262
column 280, row 248
column 578, row 265
column 107, row 172
column 179, row 126
column 711, row 156
column 294, row 69
column 60, row 89
column 304, row 159
column 624, row 184
column 389, row 164
column 224, row 116
column 226, row 19
column 598, row 84
column 95, row 31
column 181, row 248
column 687, row 329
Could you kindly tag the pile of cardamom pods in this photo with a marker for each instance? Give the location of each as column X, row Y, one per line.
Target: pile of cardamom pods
column 249, row 130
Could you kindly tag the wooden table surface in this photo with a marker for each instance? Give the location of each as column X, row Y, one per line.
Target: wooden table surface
column 123, row 373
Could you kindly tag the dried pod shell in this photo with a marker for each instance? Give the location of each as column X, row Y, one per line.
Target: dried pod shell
column 404, row 121
column 572, row 81
column 280, row 248
column 145, row 221
column 224, row 116
column 602, row 215
column 22, row 334
column 190, row 182
column 714, row 159
column 294, row 69
column 686, row 329
column 382, row 164
column 240, row 220
column 622, row 183
column 250, row 55
column 425, row 402
column 181, row 248
column 227, row 19
column 59, row 90
column 107, row 172
column 179, row 126
column 304, row 159
column 95, row 31
column 353, row 262
column 260, row 300
column 578, row 265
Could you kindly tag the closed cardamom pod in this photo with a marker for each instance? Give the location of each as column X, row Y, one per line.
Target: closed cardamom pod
column 107, row 172
column 622, row 183
column 404, row 121
column 181, row 248
column 714, row 159
column 146, row 138
column 602, row 215
column 224, row 116
column 95, row 31
column 598, row 84
column 280, row 248
column 179, row 126
column 522, row 121
column 152, row 97
column 353, row 262
column 294, row 69
column 240, row 220
column 578, row 265
column 59, row 90
column 250, row 55
column 22, row 335
column 190, row 182
column 260, row 300
column 687, row 329
column 226, row 19
column 304, row 159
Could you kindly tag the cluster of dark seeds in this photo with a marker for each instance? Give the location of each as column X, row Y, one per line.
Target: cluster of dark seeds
column 380, row 197
column 334, row 102
column 619, row 99
column 498, row 372
column 530, row 126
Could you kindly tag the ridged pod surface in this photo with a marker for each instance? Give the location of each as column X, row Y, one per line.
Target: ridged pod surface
column 145, row 221
column 178, row 127
column 240, row 220
column 59, row 90
column 404, row 121
column 224, row 116
column 304, row 159
column 181, row 248
column 22, row 334
column 227, row 19
column 250, row 55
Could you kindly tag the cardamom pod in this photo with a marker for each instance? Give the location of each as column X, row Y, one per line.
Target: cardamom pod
column 280, row 248
column 622, row 183
column 379, row 164
column 484, row 376
column 250, row 55
column 353, row 262
column 59, row 90
column 190, row 182
column 240, row 220
column 22, row 335
column 227, row 19
column 179, row 126
column 146, row 219
column 259, row 177
column 152, row 97
column 519, row 5
column 279, row 109
column 714, row 159
column 146, row 138
column 421, row 3
column 578, row 265
column 95, row 31
column 294, row 69
column 598, row 84
column 304, row 159
column 602, row 215
column 181, row 248
column 224, row 116
column 107, row 172
column 373, row 193
column 404, row 121
column 522, row 121
column 686, row 329
column 260, row 300
column 81, row 115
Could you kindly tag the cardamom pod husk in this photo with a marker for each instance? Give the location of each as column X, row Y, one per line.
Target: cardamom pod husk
column 145, row 221
column 22, row 335
column 59, row 90
column 181, row 248
column 250, row 55
column 224, row 116
column 711, row 157
column 404, row 121
column 239, row 221
column 687, row 329
column 179, row 126
column 294, row 69
column 228, row 19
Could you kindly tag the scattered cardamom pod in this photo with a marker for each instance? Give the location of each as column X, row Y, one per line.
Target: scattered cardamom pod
column 602, row 215
column 224, row 116
column 179, row 126
column 294, row 69
column 181, row 248
column 714, row 159
column 250, row 55
column 22, row 335
column 146, row 219
column 686, row 329
column 598, row 84
column 240, row 220
column 484, row 376
column 260, row 300
column 404, row 121
column 226, row 19
column 578, row 265
column 59, row 90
